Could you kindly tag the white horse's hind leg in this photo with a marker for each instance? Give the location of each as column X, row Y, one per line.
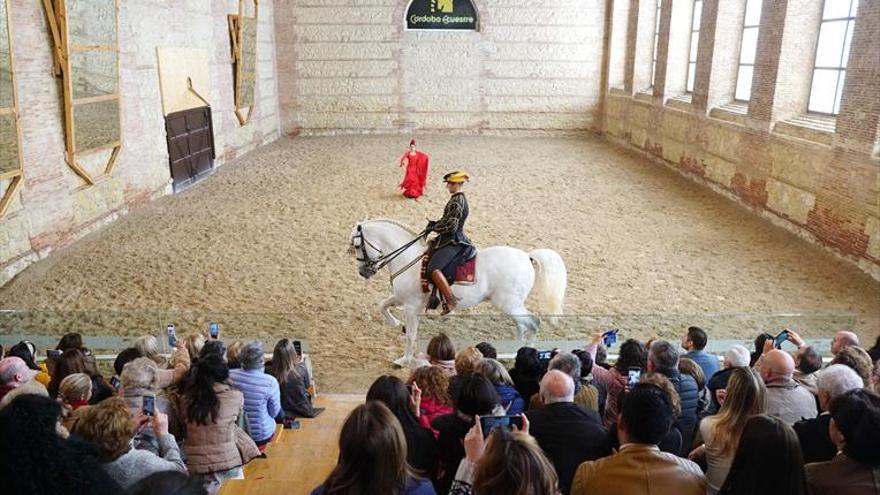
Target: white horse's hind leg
column 412, row 330
column 385, row 308
column 526, row 323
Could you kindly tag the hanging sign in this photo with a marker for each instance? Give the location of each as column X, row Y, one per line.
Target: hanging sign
column 442, row 14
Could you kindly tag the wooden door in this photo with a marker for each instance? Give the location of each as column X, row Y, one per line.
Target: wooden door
column 190, row 145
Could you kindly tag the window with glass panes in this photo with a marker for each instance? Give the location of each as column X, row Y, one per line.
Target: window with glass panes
column 695, row 41
column 656, row 40
column 747, row 50
column 832, row 52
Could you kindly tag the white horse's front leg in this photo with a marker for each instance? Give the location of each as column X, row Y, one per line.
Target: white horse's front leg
column 411, row 315
column 385, row 308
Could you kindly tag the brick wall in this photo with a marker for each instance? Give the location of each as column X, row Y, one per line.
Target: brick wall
column 54, row 207
column 821, row 181
column 349, row 66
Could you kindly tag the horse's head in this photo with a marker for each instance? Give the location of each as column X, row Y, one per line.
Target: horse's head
column 364, row 252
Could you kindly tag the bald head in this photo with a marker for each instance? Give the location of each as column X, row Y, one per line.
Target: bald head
column 557, row 386
column 13, row 372
column 842, row 340
column 777, row 366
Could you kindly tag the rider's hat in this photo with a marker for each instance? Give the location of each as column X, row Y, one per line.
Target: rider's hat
column 458, row 176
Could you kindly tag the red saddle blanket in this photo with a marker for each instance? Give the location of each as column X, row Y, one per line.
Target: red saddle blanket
column 466, row 273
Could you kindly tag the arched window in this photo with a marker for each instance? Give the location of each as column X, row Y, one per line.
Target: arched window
column 832, row 52
column 747, row 49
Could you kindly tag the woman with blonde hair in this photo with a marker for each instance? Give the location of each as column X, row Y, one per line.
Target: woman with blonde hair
column 745, row 397
column 111, row 427
column 466, row 362
column 74, row 393
column 497, row 374
column 509, row 462
column 194, row 343
column 435, row 395
column 170, row 373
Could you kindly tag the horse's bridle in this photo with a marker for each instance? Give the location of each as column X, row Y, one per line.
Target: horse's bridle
column 383, row 259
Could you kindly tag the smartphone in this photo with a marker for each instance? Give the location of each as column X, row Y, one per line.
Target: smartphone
column 632, row 376
column 779, row 339
column 544, row 355
column 148, row 406
column 609, row 338
column 214, row 330
column 489, row 423
column 172, row 335
column 298, row 346
column 115, row 383
column 409, row 388
column 53, row 353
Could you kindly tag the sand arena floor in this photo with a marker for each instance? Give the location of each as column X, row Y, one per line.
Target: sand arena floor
column 269, row 233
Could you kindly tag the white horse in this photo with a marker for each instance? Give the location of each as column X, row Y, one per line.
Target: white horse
column 504, row 275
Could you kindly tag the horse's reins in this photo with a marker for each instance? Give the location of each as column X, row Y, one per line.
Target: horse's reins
column 383, row 259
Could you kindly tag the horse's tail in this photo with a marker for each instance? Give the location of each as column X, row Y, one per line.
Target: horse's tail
column 550, row 281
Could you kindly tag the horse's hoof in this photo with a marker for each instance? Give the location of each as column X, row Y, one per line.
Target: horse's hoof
column 403, row 362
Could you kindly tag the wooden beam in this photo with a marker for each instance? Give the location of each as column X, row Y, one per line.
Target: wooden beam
column 111, row 165
column 9, row 195
column 52, row 19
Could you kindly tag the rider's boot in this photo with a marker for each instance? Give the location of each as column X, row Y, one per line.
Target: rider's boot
column 443, row 285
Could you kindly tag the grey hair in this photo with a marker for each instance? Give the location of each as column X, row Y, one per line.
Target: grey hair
column 148, row 346
column 738, row 356
column 550, row 398
column 838, row 379
column 251, row 356
column 663, row 355
column 494, row 372
column 141, row 373
column 567, row 363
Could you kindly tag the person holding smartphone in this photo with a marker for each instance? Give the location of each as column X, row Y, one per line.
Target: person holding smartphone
column 632, row 354
column 485, row 469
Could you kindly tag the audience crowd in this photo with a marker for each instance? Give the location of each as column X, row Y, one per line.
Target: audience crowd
column 663, row 418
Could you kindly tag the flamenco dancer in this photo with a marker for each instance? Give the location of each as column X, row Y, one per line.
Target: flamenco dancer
column 416, row 164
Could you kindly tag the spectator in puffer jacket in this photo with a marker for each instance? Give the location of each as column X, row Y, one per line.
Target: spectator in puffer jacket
column 262, row 395
column 663, row 358
column 500, row 379
column 435, row 395
column 215, row 447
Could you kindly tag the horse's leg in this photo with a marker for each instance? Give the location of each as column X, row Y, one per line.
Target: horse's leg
column 526, row 323
column 527, row 327
column 385, row 308
column 411, row 315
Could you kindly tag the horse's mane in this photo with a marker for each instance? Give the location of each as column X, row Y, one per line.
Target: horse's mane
column 409, row 230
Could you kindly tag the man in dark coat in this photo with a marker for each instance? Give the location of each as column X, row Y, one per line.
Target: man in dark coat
column 568, row 433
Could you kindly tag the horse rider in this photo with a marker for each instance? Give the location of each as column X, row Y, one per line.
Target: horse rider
column 451, row 247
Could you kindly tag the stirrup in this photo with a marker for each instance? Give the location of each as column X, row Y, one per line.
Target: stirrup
column 449, row 306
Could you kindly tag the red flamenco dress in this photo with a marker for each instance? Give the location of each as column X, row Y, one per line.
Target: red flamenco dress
column 416, row 164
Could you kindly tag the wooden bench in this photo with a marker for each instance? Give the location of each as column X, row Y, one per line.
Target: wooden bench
column 298, row 460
